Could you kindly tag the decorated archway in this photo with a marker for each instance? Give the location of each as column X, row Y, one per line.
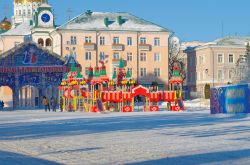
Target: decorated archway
column 30, row 67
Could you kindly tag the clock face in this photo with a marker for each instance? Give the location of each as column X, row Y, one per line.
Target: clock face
column 45, row 17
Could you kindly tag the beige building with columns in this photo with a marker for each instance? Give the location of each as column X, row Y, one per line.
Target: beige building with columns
column 214, row 63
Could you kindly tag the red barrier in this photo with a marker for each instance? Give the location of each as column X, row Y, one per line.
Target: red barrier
column 154, row 108
column 127, row 109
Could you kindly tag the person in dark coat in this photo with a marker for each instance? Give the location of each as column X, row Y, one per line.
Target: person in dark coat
column 61, row 103
column 53, row 104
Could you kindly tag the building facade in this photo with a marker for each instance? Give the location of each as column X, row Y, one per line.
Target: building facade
column 214, row 63
column 107, row 37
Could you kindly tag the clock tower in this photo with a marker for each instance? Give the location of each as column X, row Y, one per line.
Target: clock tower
column 43, row 26
column 44, row 17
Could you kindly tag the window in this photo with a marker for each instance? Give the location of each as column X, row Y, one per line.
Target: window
column 88, row 39
column 143, row 72
column 231, row 58
column 116, row 56
column 88, row 56
column 143, row 40
column 102, row 40
column 24, row 12
column 48, row 42
column 129, row 41
column 29, row 12
column 143, row 57
column 129, row 56
column 157, row 57
column 116, row 40
column 157, row 72
column 73, row 40
column 157, row 41
column 230, row 74
column 20, row 12
column 102, row 56
column 220, row 75
column 40, row 42
column 220, row 58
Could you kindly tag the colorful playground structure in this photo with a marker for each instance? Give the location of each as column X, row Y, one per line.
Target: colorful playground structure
column 97, row 92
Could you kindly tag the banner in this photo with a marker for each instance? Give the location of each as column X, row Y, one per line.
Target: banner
column 33, row 69
column 230, row 99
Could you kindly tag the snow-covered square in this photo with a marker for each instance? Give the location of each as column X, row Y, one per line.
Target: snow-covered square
column 190, row 137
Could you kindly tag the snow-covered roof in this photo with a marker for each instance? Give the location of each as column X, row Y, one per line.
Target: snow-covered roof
column 232, row 40
column 191, row 44
column 95, row 21
column 226, row 42
column 19, row 30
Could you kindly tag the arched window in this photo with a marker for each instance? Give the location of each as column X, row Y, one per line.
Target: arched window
column 40, row 42
column 48, row 42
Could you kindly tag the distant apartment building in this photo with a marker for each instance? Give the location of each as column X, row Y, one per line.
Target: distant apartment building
column 213, row 63
column 183, row 55
column 107, row 37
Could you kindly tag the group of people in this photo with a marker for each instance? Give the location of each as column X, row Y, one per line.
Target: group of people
column 49, row 104
column 1, row 104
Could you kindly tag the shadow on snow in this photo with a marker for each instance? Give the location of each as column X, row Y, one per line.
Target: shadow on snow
column 10, row 158
column 197, row 159
column 70, row 127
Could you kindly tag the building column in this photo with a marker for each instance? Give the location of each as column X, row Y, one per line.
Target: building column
column 25, row 96
column 15, row 92
column 21, row 97
column 42, row 90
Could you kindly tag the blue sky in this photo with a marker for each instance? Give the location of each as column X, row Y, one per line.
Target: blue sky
column 189, row 19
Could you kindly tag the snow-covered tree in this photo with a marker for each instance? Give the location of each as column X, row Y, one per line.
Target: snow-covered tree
column 176, row 58
column 241, row 71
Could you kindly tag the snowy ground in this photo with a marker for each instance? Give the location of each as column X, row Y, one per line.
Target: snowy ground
column 191, row 137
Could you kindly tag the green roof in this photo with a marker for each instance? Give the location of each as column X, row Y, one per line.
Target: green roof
column 103, row 71
column 90, row 72
column 97, row 73
column 79, row 75
column 121, row 64
column 73, row 68
column 114, row 75
column 128, row 74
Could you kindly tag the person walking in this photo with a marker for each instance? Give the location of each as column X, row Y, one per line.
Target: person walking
column 46, row 103
column 53, row 104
